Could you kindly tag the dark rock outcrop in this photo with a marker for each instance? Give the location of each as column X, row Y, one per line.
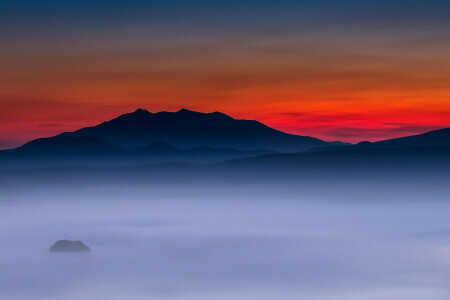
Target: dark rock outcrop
column 69, row 246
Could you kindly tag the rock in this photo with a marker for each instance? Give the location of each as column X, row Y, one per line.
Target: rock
column 69, row 246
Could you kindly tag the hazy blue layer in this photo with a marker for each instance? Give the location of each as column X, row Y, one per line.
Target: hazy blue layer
column 340, row 241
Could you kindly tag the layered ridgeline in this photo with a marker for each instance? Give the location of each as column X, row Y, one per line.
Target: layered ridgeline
column 187, row 129
column 440, row 137
column 142, row 137
column 428, row 151
column 64, row 151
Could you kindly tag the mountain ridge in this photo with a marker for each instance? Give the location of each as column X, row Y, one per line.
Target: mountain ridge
column 187, row 136
column 185, row 129
column 87, row 151
column 434, row 138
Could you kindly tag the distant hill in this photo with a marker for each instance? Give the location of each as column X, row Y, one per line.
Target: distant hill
column 159, row 148
column 321, row 171
column 440, row 137
column 187, row 129
column 163, row 152
column 350, row 159
column 63, row 151
column 67, row 146
column 435, row 138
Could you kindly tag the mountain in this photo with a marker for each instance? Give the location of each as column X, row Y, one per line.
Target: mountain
column 316, row 172
column 435, row 138
column 440, row 137
column 159, row 148
column 65, row 151
column 67, row 146
column 187, row 129
column 142, row 137
column 61, row 151
column 163, row 152
column 347, row 160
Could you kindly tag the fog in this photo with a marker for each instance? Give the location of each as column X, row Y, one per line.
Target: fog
column 347, row 240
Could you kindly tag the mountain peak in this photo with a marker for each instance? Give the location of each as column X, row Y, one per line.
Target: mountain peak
column 215, row 115
column 185, row 111
column 220, row 114
column 138, row 114
column 141, row 111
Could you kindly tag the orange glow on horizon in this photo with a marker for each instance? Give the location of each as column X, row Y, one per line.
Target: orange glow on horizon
column 336, row 94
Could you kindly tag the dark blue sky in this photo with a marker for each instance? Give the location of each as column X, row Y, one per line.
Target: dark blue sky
column 27, row 16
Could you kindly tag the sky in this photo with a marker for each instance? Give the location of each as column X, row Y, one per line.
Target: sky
column 343, row 70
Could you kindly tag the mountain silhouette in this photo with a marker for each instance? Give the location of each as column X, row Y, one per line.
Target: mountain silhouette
column 159, row 148
column 347, row 160
column 187, row 129
column 67, row 146
column 435, row 138
column 185, row 136
column 64, row 151
column 440, row 137
column 168, row 153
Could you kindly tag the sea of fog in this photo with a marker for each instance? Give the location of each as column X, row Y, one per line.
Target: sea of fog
column 198, row 243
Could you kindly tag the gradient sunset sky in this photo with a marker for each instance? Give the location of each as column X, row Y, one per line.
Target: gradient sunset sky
column 333, row 69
